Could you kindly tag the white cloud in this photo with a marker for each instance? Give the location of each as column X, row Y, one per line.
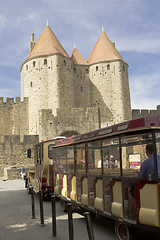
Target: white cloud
column 3, row 21
column 31, row 17
column 140, row 43
column 145, row 90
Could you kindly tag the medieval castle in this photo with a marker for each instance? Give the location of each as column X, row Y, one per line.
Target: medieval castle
column 64, row 95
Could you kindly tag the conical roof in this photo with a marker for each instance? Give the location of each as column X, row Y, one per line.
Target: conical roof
column 103, row 51
column 77, row 57
column 47, row 44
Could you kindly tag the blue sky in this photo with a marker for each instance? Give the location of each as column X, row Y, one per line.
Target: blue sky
column 134, row 25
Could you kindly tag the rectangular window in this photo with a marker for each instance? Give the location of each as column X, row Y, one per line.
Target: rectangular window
column 111, row 157
column 94, row 156
column 70, row 159
column 76, row 138
column 59, row 158
column 88, row 135
column 105, row 131
column 134, row 152
column 50, row 150
column 80, row 158
column 66, row 141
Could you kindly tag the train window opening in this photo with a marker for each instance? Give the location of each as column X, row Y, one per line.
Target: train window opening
column 76, row 138
column 105, row 131
column 50, row 151
column 111, row 157
column 133, row 152
column 94, row 156
column 136, row 138
column 80, row 157
column 70, row 159
column 62, row 157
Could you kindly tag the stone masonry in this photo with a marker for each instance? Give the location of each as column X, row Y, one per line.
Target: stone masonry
column 65, row 87
column 64, row 95
column 13, row 151
column 138, row 113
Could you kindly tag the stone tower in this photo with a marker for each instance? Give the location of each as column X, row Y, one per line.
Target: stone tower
column 41, row 73
column 67, row 93
column 110, row 86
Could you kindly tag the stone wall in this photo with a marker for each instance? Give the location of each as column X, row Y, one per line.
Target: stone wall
column 68, row 122
column 13, row 151
column 14, row 116
column 138, row 113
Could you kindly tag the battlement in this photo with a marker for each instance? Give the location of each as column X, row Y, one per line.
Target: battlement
column 12, row 101
column 14, row 116
column 138, row 113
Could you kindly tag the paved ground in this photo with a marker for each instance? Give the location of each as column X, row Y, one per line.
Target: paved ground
column 16, row 222
column 11, row 185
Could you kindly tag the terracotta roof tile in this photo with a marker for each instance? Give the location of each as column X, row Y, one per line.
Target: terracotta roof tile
column 77, row 57
column 47, row 44
column 103, row 51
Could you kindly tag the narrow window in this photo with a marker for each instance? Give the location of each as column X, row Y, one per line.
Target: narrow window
column 87, row 70
column 34, row 63
column 81, row 89
column 64, row 63
column 74, row 70
column 29, row 153
column 31, row 84
column 45, row 61
column 124, row 68
column 96, row 68
column 26, row 67
column 108, row 67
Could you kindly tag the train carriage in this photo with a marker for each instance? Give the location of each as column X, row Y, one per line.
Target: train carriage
column 98, row 171
column 41, row 177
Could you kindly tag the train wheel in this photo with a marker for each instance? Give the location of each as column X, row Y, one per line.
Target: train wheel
column 63, row 205
column 121, row 231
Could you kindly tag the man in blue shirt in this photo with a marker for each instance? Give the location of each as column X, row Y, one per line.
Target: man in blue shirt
column 147, row 169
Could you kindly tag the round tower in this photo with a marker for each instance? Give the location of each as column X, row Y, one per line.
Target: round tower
column 81, row 80
column 110, row 86
column 41, row 75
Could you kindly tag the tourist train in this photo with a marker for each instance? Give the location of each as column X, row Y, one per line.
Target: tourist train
column 98, row 171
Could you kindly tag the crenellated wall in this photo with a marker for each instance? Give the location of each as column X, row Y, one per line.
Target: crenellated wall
column 138, row 113
column 14, row 116
column 13, row 151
